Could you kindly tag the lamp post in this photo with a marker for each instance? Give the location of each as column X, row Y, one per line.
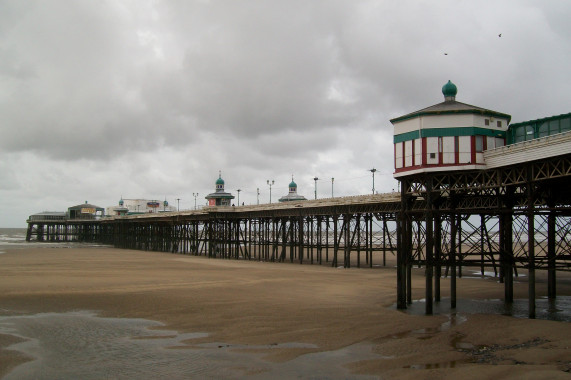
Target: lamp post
column 258, row 195
column 178, row 204
column 332, row 179
column 315, row 179
column 195, row 195
column 373, row 170
column 239, row 196
column 270, row 184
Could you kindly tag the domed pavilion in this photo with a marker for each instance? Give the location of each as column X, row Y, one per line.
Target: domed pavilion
column 219, row 197
column 446, row 136
column 292, row 194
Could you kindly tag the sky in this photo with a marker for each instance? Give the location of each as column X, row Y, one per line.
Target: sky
column 108, row 99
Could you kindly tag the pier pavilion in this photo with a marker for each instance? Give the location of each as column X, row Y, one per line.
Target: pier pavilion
column 219, row 197
column 292, row 194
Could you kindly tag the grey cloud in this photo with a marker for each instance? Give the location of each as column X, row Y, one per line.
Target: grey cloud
column 153, row 98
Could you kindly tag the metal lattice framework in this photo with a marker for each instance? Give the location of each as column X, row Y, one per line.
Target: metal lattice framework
column 505, row 219
column 344, row 238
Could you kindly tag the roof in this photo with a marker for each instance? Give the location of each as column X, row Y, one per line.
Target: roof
column 292, row 197
column 450, row 107
column 51, row 213
column 219, row 194
column 85, row 205
column 542, row 120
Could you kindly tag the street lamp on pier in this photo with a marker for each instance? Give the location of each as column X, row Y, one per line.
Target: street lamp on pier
column 270, row 185
column 178, row 204
column 332, row 179
column 239, row 196
column 373, row 170
column 315, row 179
column 258, row 195
column 195, row 195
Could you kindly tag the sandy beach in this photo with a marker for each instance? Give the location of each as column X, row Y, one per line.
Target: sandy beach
column 282, row 312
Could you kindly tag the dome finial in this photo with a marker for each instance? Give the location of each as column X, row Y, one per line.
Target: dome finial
column 449, row 90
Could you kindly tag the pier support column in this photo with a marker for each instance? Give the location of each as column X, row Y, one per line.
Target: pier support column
column 401, row 250
column 300, row 222
column 437, row 255
column 453, row 233
column 551, row 273
column 429, row 246
column 531, row 243
column 506, row 254
column 335, row 240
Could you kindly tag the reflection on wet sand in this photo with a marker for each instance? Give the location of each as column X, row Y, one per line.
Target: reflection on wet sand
column 83, row 345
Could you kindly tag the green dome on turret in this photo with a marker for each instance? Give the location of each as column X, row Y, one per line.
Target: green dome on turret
column 292, row 184
column 219, row 181
column 449, row 90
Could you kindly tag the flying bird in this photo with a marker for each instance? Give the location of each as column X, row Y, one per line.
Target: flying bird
column 499, row 35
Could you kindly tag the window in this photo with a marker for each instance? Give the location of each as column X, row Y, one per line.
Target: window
column 440, row 144
column 499, row 123
column 553, row 127
column 432, row 155
column 479, row 144
column 565, row 124
column 487, row 121
column 529, row 133
column 544, row 130
column 519, row 134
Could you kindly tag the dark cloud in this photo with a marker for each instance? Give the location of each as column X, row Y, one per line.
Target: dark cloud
column 153, row 98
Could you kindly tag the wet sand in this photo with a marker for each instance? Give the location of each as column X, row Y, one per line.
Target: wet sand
column 283, row 312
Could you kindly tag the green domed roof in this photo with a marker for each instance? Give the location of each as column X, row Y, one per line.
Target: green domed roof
column 292, row 184
column 219, row 181
column 449, row 90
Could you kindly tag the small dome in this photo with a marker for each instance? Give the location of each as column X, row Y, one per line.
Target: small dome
column 219, row 181
column 449, row 90
column 121, row 203
column 165, row 203
column 292, row 184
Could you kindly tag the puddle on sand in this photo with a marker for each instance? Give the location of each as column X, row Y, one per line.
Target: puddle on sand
column 426, row 333
column 83, row 345
column 456, row 341
column 450, row 364
column 558, row 309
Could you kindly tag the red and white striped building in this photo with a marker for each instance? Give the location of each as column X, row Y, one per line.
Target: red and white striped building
column 446, row 136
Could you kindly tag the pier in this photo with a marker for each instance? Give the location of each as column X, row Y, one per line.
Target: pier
column 466, row 200
column 505, row 220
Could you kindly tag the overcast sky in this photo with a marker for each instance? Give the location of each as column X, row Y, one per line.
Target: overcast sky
column 150, row 99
